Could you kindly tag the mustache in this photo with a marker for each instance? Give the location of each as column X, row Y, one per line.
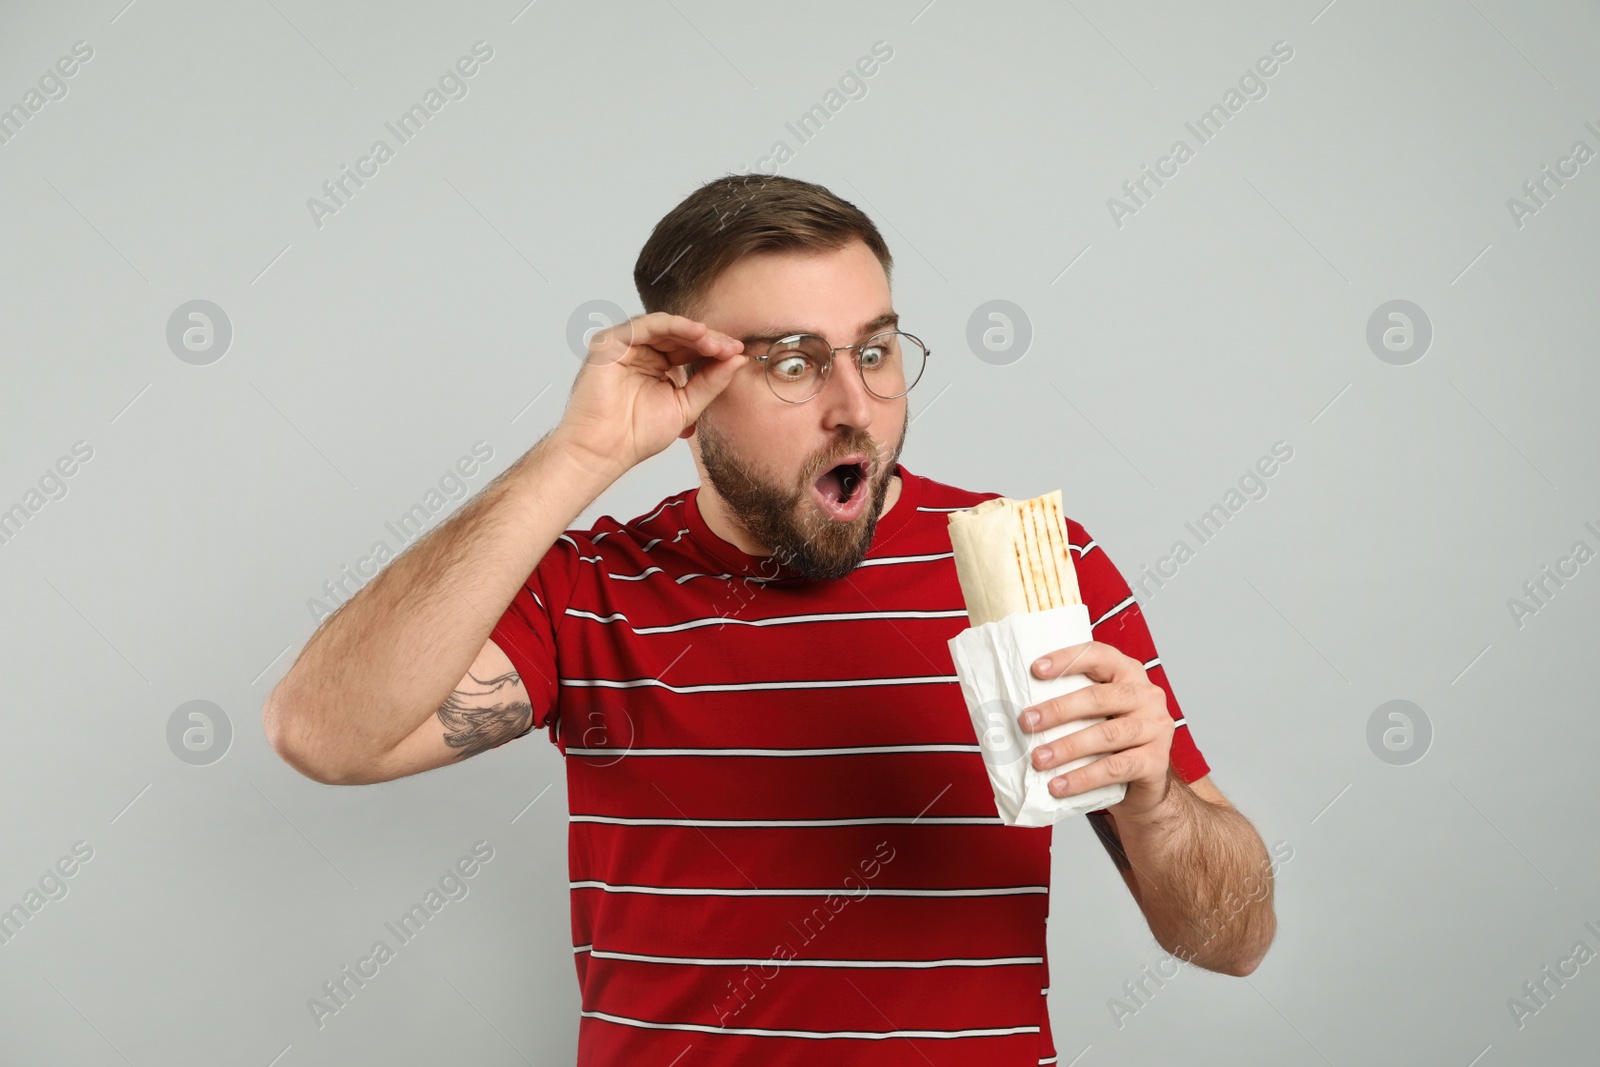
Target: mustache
column 831, row 458
column 814, row 469
column 714, row 443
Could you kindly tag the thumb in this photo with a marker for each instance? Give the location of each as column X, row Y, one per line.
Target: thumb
column 710, row 380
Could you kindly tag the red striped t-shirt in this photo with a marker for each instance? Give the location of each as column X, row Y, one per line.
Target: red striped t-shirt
column 783, row 845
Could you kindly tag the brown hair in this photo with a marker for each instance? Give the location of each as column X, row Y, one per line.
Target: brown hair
column 737, row 215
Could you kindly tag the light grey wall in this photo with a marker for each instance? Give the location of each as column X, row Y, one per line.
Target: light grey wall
column 1171, row 346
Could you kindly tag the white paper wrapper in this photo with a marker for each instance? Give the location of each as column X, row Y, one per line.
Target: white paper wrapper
column 994, row 664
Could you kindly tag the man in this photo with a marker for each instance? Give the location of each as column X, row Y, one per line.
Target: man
column 784, row 846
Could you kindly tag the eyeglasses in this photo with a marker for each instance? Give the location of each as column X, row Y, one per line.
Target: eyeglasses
column 890, row 363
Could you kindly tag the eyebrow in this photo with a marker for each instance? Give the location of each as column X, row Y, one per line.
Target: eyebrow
column 872, row 326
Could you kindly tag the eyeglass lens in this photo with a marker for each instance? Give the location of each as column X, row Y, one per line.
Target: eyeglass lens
column 890, row 364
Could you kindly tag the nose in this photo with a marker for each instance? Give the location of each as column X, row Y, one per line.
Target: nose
column 844, row 398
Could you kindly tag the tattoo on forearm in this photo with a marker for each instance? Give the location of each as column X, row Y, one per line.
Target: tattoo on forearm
column 476, row 720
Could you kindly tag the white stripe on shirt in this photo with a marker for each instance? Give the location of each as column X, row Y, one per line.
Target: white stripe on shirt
column 647, row 572
column 777, row 620
column 1112, row 612
column 665, row 504
column 778, row 961
column 657, row 541
column 738, row 687
column 864, row 1035
column 883, row 560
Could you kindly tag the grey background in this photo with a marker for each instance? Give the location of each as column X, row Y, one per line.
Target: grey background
column 1168, row 354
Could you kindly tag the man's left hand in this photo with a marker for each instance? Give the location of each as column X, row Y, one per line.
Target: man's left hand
column 1135, row 740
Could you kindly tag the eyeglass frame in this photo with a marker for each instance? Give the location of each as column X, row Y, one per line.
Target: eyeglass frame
column 827, row 367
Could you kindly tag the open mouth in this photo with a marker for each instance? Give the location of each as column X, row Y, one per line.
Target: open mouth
column 841, row 488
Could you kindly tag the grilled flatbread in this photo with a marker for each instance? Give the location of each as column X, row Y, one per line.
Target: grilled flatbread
column 1011, row 556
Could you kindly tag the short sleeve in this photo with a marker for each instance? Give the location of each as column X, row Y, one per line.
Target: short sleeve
column 1115, row 618
column 526, row 632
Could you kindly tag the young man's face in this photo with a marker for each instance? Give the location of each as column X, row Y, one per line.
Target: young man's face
column 760, row 458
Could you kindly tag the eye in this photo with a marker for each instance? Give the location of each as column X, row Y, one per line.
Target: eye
column 874, row 356
column 790, row 367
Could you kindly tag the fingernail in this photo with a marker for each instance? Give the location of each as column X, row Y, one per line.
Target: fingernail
column 1042, row 664
column 1030, row 719
column 1043, row 757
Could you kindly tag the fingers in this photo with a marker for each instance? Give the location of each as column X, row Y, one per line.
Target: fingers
column 708, row 381
column 659, row 335
column 1097, row 660
column 1104, row 698
column 1119, row 697
column 1110, row 736
column 1118, row 767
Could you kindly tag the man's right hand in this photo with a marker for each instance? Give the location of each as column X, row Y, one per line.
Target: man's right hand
column 625, row 407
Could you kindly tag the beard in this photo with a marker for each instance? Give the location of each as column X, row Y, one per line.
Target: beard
column 788, row 519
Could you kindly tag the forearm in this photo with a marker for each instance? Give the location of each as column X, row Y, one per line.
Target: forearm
column 1203, row 880
column 380, row 665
